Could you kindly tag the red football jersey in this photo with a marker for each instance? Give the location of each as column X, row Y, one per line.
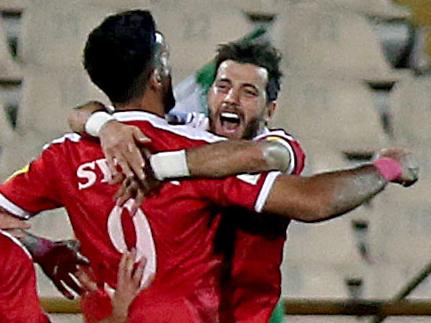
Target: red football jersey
column 19, row 302
column 171, row 229
column 252, row 250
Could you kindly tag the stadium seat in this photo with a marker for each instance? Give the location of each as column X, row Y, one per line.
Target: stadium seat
column 319, row 40
column 9, row 69
column 340, row 113
column 6, row 131
column 13, row 5
column 59, row 40
column 411, row 110
column 49, row 94
column 382, row 9
column 193, row 35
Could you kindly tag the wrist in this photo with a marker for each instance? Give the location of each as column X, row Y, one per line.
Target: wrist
column 96, row 121
column 37, row 246
column 170, row 164
column 389, row 168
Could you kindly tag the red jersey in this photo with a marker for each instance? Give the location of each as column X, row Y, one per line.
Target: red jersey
column 252, row 249
column 171, row 229
column 19, row 302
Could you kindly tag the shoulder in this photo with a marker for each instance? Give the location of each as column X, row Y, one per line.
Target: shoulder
column 294, row 147
column 155, row 126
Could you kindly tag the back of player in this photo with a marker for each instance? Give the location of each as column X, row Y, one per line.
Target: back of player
column 252, row 246
column 171, row 229
column 19, row 302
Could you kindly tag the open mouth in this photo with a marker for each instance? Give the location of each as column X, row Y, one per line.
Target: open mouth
column 230, row 120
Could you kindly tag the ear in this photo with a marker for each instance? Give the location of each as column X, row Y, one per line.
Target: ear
column 155, row 79
column 270, row 110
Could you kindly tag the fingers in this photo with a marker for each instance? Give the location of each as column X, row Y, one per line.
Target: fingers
column 71, row 282
column 139, row 273
column 140, row 137
column 7, row 221
column 86, row 282
column 127, row 191
column 62, row 289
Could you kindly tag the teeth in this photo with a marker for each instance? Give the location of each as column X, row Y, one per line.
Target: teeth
column 230, row 115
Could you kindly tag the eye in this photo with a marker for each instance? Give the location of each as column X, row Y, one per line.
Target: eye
column 250, row 93
column 222, row 87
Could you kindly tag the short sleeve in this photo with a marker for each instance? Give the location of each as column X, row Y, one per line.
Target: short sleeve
column 32, row 189
column 297, row 161
column 245, row 190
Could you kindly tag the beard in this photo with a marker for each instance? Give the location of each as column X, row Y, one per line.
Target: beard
column 168, row 96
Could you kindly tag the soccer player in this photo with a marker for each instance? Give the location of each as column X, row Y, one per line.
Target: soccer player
column 241, row 101
column 18, row 295
column 127, row 59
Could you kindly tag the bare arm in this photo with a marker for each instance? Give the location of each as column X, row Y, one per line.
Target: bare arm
column 327, row 195
column 120, row 142
column 79, row 116
column 235, row 157
column 324, row 196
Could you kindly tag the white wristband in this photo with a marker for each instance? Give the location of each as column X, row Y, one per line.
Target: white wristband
column 170, row 164
column 96, row 121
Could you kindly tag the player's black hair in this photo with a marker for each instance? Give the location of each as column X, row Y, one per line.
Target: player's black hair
column 118, row 54
column 259, row 54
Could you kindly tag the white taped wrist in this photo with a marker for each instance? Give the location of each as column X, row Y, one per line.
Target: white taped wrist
column 170, row 164
column 96, row 121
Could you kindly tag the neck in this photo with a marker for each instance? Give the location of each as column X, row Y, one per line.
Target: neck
column 145, row 103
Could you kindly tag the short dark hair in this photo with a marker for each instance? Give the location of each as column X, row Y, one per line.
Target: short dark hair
column 259, row 54
column 118, row 54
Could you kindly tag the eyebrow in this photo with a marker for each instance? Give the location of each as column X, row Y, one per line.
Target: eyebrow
column 243, row 85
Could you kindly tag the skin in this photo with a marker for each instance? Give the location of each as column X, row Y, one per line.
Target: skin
column 128, row 285
column 308, row 199
column 240, row 89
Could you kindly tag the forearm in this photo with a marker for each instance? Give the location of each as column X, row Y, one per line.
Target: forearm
column 324, row 196
column 235, row 157
column 79, row 116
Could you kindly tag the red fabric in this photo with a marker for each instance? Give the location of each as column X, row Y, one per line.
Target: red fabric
column 71, row 172
column 19, row 302
column 252, row 246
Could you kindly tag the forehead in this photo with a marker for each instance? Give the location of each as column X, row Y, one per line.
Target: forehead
column 242, row 73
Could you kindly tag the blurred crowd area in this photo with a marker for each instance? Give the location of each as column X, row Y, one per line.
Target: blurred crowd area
column 356, row 78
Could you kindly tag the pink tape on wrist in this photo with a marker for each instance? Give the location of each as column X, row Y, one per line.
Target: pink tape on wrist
column 389, row 168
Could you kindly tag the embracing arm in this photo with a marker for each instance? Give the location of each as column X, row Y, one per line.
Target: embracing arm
column 323, row 196
column 119, row 142
column 327, row 195
column 235, row 157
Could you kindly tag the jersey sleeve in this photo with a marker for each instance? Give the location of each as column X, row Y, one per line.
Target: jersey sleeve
column 32, row 189
column 297, row 161
column 245, row 190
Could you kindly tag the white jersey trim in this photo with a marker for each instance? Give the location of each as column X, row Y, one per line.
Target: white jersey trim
column 68, row 136
column 16, row 241
column 13, row 208
column 157, row 122
column 264, row 192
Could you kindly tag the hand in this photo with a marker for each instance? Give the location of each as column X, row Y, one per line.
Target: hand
column 135, row 189
column 408, row 163
column 120, row 146
column 129, row 278
column 7, row 221
column 60, row 262
column 128, row 282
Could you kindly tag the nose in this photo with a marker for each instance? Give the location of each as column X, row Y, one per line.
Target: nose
column 232, row 96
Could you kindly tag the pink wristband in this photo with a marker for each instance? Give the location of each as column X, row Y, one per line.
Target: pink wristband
column 389, row 168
